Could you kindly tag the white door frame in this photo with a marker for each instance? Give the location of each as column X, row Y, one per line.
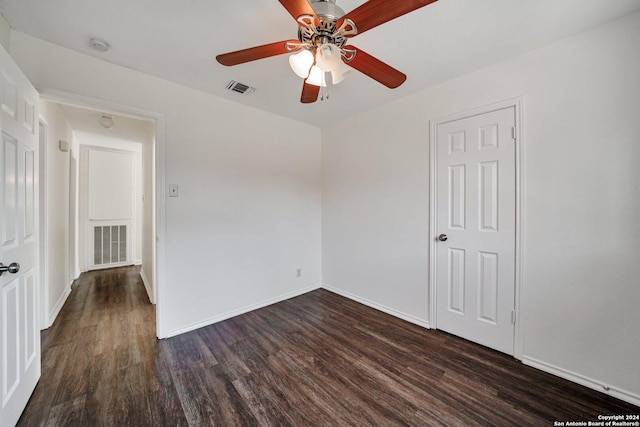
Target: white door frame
column 517, row 104
column 44, row 206
column 74, row 99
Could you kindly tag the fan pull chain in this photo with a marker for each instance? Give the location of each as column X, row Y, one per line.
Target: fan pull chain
column 324, row 93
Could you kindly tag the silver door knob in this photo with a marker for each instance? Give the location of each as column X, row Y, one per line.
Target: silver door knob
column 12, row 268
column 442, row 237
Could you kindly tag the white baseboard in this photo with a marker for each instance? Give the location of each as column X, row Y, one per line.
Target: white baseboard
column 409, row 318
column 240, row 311
column 147, row 286
column 582, row 380
column 53, row 313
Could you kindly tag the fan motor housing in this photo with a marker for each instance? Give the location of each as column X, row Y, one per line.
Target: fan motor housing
column 328, row 13
column 327, row 9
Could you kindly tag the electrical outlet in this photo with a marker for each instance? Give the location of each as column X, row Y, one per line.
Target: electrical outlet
column 299, row 273
column 173, row 190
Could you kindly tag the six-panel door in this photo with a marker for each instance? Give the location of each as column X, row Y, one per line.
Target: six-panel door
column 475, row 267
column 19, row 331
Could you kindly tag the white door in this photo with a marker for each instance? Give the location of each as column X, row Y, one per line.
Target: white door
column 476, row 210
column 19, row 331
column 110, row 186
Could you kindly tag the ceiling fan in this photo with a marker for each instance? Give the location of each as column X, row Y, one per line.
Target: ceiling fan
column 323, row 33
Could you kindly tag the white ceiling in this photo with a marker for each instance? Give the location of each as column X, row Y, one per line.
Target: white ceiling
column 178, row 41
column 124, row 128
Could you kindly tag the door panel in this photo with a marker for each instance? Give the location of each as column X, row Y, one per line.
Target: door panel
column 110, row 203
column 10, row 338
column 489, row 196
column 29, row 195
column 475, row 208
column 457, row 197
column 30, row 304
column 488, row 287
column 19, row 331
column 10, row 193
column 456, row 280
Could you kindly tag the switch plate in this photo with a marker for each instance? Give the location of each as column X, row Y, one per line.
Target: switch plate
column 173, row 190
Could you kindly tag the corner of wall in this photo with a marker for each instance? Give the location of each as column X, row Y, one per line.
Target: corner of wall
column 147, row 286
column 5, row 34
column 55, row 310
column 584, row 380
column 380, row 307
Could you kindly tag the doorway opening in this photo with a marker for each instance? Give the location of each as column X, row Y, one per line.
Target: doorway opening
column 115, row 204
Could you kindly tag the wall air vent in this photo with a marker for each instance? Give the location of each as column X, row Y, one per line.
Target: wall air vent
column 110, row 244
column 240, row 88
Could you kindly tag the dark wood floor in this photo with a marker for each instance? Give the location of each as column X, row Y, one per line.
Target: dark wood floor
column 318, row 359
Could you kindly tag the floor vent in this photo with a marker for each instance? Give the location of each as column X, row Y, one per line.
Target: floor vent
column 109, row 244
column 240, row 88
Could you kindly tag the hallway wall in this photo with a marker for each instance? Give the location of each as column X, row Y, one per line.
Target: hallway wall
column 57, row 277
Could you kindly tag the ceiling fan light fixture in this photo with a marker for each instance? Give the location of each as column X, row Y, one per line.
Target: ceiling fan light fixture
column 316, row 77
column 320, row 23
column 301, row 63
column 328, row 57
column 338, row 76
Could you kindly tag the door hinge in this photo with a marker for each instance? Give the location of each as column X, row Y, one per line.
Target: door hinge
column 513, row 317
column 514, row 134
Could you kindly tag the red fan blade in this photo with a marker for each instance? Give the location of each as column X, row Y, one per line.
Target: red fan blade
column 375, row 12
column 309, row 93
column 300, row 7
column 254, row 53
column 376, row 69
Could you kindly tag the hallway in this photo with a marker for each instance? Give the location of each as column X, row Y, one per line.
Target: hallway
column 318, row 359
column 101, row 362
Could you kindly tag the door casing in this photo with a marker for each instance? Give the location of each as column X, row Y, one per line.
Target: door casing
column 517, row 104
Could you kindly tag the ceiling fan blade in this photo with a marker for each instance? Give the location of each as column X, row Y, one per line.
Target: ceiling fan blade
column 375, row 12
column 309, row 93
column 254, row 53
column 376, row 69
column 300, row 7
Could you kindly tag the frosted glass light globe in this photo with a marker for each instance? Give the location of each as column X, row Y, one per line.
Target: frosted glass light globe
column 328, row 57
column 301, row 63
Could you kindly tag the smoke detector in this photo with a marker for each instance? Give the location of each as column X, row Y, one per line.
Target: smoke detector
column 99, row 44
column 106, row 121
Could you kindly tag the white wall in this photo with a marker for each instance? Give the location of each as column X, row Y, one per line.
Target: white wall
column 5, row 34
column 581, row 232
column 56, row 277
column 74, row 210
column 248, row 214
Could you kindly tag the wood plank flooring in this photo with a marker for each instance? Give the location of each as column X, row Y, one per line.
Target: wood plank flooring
column 315, row 360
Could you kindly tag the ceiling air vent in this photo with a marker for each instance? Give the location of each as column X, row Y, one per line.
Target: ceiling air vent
column 240, row 88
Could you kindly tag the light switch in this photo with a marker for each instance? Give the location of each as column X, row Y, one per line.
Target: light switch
column 173, row 190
